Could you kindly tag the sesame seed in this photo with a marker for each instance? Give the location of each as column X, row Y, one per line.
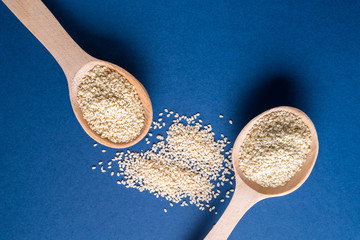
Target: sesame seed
column 100, row 97
column 275, row 149
column 165, row 210
column 95, row 144
column 182, row 164
column 93, row 167
column 221, row 116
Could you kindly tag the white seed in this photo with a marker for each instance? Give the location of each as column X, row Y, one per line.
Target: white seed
column 275, row 149
column 181, row 166
column 101, row 95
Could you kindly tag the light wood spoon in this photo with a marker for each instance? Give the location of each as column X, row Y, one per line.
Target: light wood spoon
column 247, row 192
column 74, row 61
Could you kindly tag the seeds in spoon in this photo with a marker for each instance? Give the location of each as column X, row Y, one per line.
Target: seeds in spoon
column 275, row 149
column 110, row 104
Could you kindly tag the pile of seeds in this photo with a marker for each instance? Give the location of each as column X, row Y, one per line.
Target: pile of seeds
column 187, row 166
column 275, row 149
column 111, row 105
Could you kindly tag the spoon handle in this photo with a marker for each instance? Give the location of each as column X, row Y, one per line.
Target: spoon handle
column 43, row 25
column 243, row 199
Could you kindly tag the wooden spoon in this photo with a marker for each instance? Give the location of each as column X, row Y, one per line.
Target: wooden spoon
column 74, row 61
column 247, row 192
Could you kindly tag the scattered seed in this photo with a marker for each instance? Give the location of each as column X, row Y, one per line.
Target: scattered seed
column 187, row 144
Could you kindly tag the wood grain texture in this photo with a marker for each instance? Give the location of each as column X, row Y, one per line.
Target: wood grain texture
column 74, row 61
column 247, row 193
column 43, row 25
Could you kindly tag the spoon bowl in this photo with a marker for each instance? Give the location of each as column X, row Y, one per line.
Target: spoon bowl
column 74, row 61
column 247, row 193
column 300, row 177
column 141, row 91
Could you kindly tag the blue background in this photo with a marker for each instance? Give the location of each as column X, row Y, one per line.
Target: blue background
column 237, row 58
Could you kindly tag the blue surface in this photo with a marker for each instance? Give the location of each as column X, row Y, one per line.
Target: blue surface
column 237, row 58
